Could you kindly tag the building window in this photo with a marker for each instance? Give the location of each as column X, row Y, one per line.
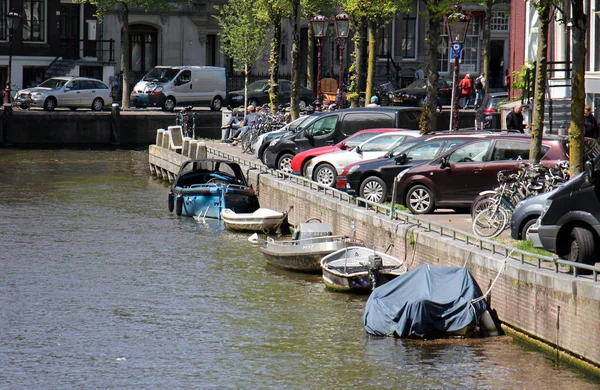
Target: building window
column 500, row 21
column 34, row 20
column 3, row 25
column 443, row 51
column 596, row 27
column 211, row 50
column 408, row 40
column 143, row 47
column 32, row 76
column 469, row 58
column 94, row 72
column 383, row 40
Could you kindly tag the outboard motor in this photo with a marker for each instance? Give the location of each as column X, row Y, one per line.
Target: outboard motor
column 375, row 266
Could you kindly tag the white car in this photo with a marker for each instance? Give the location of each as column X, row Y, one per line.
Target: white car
column 324, row 169
column 69, row 91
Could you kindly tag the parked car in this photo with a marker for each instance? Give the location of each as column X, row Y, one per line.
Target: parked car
column 332, row 127
column 456, row 178
column 264, row 140
column 298, row 163
column 569, row 224
column 488, row 115
column 325, row 168
column 170, row 86
column 258, row 94
column 526, row 215
column 68, row 91
column 373, row 179
column 415, row 93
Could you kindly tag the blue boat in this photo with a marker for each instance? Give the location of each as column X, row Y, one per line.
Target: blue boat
column 204, row 188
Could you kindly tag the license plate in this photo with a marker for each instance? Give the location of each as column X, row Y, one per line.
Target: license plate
column 397, row 100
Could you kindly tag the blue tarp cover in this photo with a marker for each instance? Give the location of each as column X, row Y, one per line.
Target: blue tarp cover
column 425, row 302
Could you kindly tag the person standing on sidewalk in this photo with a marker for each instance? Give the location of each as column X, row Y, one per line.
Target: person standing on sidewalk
column 590, row 123
column 466, row 90
column 479, row 90
column 514, row 119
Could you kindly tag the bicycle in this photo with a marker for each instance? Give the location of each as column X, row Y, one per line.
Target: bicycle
column 187, row 120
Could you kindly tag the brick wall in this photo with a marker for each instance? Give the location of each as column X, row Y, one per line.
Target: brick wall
column 556, row 308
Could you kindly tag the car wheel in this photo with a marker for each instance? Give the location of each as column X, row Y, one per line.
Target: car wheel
column 526, row 227
column 581, row 247
column 253, row 102
column 373, row 189
column 50, row 104
column 325, row 174
column 420, row 200
column 216, row 104
column 97, row 104
column 169, row 104
column 284, row 163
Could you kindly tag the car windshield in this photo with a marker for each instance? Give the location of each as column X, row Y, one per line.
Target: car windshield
column 297, row 124
column 258, row 86
column 421, row 83
column 404, row 146
column 161, row 74
column 53, row 83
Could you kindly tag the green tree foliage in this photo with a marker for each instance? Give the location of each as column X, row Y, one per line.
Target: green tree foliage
column 104, row 7
column 372, row 14
column 242, row 35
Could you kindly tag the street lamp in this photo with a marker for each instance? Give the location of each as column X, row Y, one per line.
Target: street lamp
column 457, row 24
column 12, row 22
column 342, row 26
column 319, row 26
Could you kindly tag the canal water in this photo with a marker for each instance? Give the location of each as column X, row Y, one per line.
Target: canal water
column 102, row 287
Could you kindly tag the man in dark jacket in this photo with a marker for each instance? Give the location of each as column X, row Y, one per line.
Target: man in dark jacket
column 514, row 119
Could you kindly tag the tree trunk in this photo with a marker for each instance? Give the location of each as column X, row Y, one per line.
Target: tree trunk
column 274, row 66
column 428, row 122
column 576, row 127
column 371, row 63
column 355, row 70
column 485, row 66
column 541, row 79
column 310, row 52
column 125, row 56
column 295, row 60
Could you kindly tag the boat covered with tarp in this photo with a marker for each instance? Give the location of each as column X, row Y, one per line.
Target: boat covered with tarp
column 428, row 302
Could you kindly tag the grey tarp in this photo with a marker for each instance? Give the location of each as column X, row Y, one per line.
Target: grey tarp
column 424, row 302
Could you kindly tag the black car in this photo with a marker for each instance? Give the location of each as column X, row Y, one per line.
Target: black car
column 414, row 95
column 258, row 94
column 488, row 115
column 373, row 179
column 329, row 128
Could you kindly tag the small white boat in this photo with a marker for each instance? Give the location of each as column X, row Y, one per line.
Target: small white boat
column 359, row 269
column 262, row 220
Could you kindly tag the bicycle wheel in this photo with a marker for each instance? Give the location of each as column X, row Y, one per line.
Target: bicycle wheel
column 247, row 141
column 489, row 223
column 482, row 202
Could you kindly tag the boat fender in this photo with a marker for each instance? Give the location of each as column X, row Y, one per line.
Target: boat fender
column 488, row 324
column 179, row 204
column 253, row 238
column 171, row 201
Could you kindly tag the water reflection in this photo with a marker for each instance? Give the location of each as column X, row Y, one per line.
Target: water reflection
column 102, row 287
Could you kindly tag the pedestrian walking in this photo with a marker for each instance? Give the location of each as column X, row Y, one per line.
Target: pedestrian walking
column 479, row 90
column 590, row 123
column 466, row 90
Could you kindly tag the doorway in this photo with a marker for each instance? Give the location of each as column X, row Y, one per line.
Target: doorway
column 497, row 67
column 69, row 30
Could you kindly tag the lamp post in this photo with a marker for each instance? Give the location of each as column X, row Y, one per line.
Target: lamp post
column 12, row 21
column 319, row 25
column 457, row 24
column 342, row 26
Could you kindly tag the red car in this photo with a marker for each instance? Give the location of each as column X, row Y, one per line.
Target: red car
column 299, row 161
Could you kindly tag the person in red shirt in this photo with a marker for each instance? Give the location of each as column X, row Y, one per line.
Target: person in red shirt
column 466, row 90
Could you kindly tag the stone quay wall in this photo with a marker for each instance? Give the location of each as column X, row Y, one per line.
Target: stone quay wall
column 557, row 310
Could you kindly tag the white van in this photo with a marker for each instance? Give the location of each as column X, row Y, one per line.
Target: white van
column 171, row 86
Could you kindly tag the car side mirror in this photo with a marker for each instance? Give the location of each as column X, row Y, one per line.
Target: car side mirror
column 444, row 163
column 401, row 158
column 589, row 172
column 358, row 150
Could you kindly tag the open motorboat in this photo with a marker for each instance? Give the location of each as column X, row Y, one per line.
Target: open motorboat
column 204, row 188
column 428, row 302
column 262, row 220
column 310, row 242
column 359, row 269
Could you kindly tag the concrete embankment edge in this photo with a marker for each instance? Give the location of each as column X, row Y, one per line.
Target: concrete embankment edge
column 561, row 311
